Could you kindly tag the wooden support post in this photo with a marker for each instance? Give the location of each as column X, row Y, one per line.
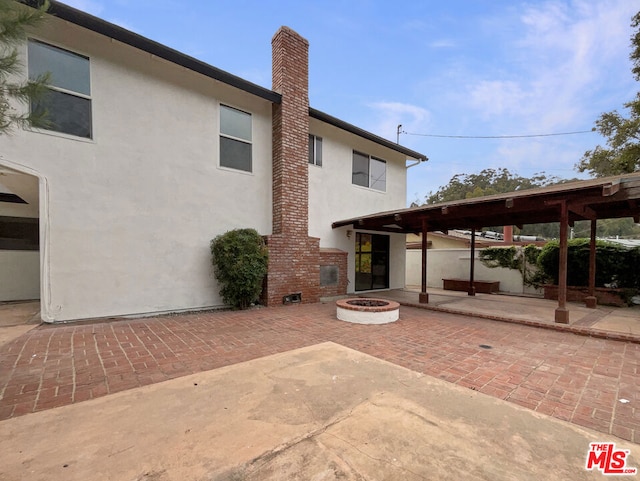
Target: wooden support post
column 472, row 290
column 591, row 301
column 562, row 313
column 424, row 296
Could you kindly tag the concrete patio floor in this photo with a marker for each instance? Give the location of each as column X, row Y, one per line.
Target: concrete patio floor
column 323, row 412
column 604, row 321
column 16, row 318
column 591, row 382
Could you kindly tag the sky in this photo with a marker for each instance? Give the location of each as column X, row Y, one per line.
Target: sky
column 452, row 68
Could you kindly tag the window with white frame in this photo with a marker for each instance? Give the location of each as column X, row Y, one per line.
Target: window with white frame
column 369, row 172
column 67, row 102
column 315, row 150
column 235, row 139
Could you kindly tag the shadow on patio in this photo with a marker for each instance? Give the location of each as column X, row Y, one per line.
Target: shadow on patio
column 604, row 321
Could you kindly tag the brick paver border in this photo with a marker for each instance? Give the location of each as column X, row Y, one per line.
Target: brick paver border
column 570, row 377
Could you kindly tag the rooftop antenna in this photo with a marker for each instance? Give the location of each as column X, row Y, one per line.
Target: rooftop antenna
column 398, row 133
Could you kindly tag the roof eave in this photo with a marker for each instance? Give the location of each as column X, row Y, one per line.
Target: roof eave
column 625, row 187
column 98, row 25
column 341, row 124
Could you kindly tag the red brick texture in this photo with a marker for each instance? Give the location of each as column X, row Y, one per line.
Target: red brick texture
column 574, row 378
column 605, row 296
column 335, row 257
column 294, row 266
column 290, row 133
column 293, row 255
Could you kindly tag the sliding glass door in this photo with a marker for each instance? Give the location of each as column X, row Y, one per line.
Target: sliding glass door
column 372, row 261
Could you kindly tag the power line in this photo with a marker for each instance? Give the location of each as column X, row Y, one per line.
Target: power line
column 499, row 136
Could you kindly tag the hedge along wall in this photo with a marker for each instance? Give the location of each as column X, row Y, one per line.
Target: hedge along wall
column 615, row 265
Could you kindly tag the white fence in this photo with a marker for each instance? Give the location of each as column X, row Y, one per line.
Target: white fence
column 454, row 264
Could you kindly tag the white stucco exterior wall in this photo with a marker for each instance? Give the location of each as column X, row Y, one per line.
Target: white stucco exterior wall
column 19, row 269
column 333, row 197
column 19, row 275
column 454, row 264
column 126, row 218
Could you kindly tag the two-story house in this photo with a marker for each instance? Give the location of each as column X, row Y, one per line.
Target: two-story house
column 151, row 154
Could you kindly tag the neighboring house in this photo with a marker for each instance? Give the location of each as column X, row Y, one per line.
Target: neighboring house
column 153, row 153
column 440, row 240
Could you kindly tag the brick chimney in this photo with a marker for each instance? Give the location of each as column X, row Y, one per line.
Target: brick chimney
column 293, row 255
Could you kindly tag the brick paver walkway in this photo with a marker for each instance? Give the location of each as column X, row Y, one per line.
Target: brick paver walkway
column 574, row 378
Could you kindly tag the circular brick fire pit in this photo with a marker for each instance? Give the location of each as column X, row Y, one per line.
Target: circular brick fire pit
column 367, row 311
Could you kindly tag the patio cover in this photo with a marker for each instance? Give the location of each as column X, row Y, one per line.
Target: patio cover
column 601, row 198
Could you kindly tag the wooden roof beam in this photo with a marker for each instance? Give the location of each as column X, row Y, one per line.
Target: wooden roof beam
column 583, row 211
column 610, row 188
column 393, row 230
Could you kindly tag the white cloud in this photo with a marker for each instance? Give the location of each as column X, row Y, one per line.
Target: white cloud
column 567, row 52
column 391, row 114
column 548, row 18
column 577, row 45
column 442, row 43
column 496, row 98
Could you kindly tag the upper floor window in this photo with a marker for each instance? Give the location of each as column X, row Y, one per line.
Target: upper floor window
column 369, row 172
column 68, row 99
column 315, row 150
column 235, row 139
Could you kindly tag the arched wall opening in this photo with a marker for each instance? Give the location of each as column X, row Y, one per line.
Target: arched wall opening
column 20, row 243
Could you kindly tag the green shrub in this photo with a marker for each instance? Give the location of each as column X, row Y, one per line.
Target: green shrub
column 615, row 265
column 520, row 259
column 506, row 257
column 239, row 259
column 630, row 276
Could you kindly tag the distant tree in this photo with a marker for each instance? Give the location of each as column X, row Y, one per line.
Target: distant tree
column 15, row 19
column 608, row 228
column 496, row 181
column 623, row 228
column 622, row 154
column 487, row 182
column 492, row 181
